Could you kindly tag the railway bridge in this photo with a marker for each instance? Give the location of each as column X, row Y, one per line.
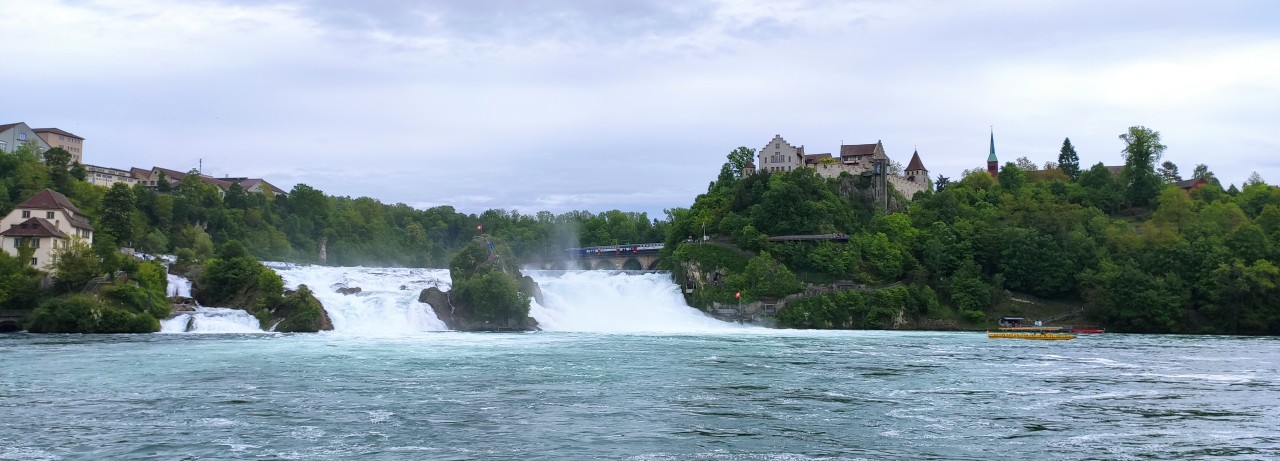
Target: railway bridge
column 630, row 256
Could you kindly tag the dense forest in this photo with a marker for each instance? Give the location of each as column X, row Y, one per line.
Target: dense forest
column 1140, row 252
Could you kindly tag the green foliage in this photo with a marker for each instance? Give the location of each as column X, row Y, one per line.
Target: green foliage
column 19, row 282
column 739, row 159
column 84, row 313
column 137, row 299
column 301, row 312
column 494, row 297
column 764, row 277
column 236, row 279
column 74, row 266
column 1141, row 153
column 117, row 212
column 1068, row 160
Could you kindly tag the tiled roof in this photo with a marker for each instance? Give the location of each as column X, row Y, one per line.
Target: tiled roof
column 915, row 163
column 174, row 176
column 57, row 132
column 813, row 159
column 1190, row 183
column 48, row 199
column 852, row 150
column 6, row 127
column 34, row 227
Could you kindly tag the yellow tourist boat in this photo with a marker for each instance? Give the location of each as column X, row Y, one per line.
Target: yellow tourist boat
column 1041, row 333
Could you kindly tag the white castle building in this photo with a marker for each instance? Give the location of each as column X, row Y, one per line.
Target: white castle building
column 779, row 155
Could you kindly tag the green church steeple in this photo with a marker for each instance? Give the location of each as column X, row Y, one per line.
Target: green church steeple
column 992, row 157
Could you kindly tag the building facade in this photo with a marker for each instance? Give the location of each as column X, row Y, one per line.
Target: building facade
column 14, row 135
column 780, row 155
column 58, row 138
column 46, row 222
column 107, row 177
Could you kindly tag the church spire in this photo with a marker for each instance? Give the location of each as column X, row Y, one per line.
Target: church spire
column 993, row 165
column 992, row 157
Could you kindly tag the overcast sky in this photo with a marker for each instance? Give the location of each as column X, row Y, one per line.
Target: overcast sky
column 599, row 105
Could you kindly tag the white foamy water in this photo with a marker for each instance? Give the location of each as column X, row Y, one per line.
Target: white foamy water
column 609, row 301
column 211, row 320
column 578, row 301
column 387, row 303
column 179, row 286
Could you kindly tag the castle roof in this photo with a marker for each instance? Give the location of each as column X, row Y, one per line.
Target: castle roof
column 915, row 164
column 813, row 159
column 34, row 227
column 853, row 150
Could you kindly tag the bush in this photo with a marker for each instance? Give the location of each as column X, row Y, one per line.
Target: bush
column 301, row 312
column 77, row 313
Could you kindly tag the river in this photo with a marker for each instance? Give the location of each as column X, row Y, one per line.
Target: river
column 625, row 372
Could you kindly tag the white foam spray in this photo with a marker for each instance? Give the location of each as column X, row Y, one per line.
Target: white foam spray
column 211, row 320
column 577, row 301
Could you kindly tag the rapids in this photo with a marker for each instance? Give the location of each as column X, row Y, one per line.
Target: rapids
column 575, row 301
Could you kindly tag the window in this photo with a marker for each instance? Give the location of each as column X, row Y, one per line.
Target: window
column 22, row 136
column 26, row 213
column 33, row 261
column 48, row 215
column 35, row 242
column 17, row 242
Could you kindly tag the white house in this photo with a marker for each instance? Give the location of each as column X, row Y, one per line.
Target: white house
column 46, row 222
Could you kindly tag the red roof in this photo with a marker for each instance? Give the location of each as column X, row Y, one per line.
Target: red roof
column 49, row 200
column 34, row 227
column 814, row 159
column 915, row 164
column 7, row 126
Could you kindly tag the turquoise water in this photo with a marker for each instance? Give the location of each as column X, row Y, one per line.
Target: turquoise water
column 745, row 394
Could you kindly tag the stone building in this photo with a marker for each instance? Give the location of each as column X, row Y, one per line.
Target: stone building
column 779, row 155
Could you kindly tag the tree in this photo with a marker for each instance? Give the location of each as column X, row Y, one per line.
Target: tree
column 117, row 212
column 58, row 161
column 768, row 278
column 75, row 265
column 1025, row 164
column 162, row 184
column 941, row 183
column 1202, row 172
column 739, row 159
column 1099, row 189
column 1012, row 177
column 1068, row 161
column 1169, row 172
column 1142, row 151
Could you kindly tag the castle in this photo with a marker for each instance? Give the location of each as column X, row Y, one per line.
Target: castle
column 856, row 159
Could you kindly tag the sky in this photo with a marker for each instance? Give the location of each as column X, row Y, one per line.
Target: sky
column 632, row 105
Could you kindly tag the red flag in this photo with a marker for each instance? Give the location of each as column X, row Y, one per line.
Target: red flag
column 738, row 295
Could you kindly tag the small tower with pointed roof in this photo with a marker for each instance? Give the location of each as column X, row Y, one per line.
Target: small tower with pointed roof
column 916, row 171
column 993, row 165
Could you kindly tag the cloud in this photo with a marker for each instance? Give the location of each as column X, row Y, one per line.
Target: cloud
column 631, row 105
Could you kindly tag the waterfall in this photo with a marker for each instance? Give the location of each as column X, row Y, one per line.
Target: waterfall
column 578, row 301
column 211, row 320
column 179, row 286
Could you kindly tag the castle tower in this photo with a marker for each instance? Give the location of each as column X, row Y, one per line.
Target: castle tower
column 993, row 165
column 916, row 171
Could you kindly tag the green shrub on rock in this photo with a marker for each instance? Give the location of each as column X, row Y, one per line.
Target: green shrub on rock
column 301, row 313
